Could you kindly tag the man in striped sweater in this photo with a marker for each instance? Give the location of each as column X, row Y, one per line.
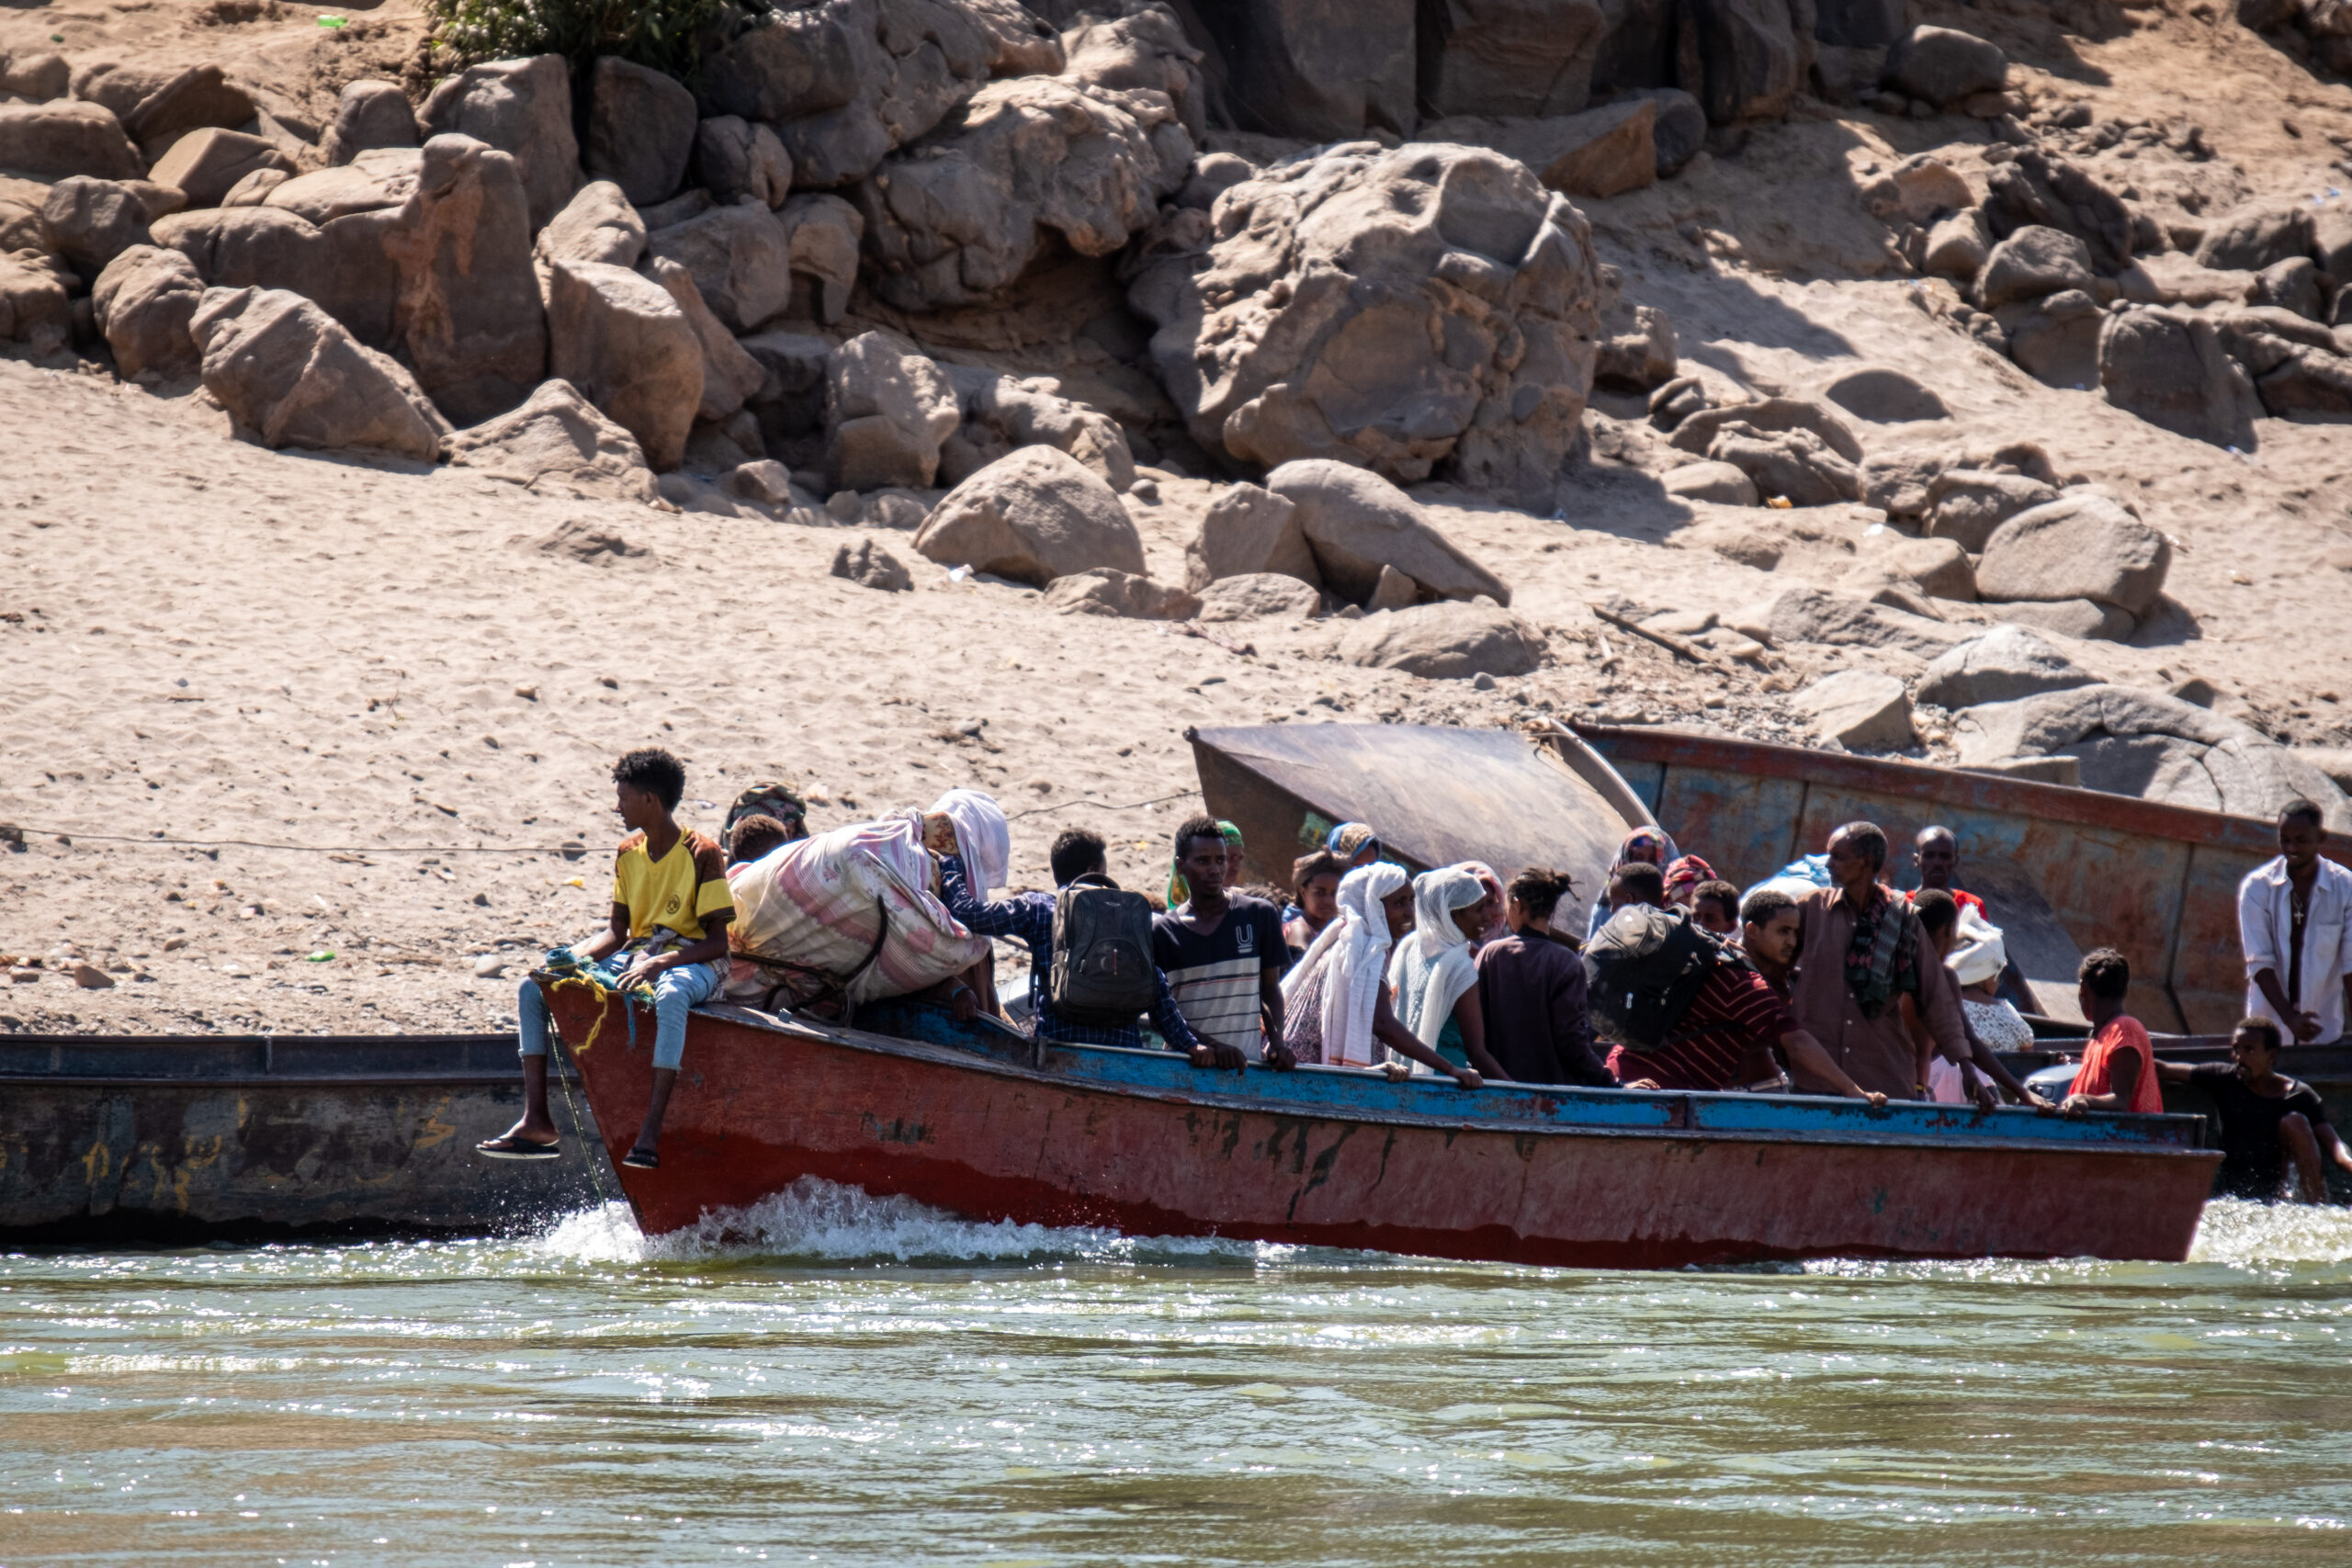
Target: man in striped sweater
column 1223, row 955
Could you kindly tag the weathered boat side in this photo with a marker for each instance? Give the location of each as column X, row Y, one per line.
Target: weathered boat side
column 1140, row 1143
column 1438, row 795
column 2157, row 882
column 257, row 1136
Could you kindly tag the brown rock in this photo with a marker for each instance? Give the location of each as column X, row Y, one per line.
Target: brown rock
column 729, row 374
column 596, row 225
column 641, row 130
column 625, row 344
column 290, row 375
column 207, row 163
column 368, row 116
column 2083, row 546
column 468, row 316
column 144, row 302
column 522, row 107
column 1355, row 522
column 1105, row 590
column 1600, row 152
column 1258, row 596
column 1032, row 516
column 1248, row 531
column 54, row 140
column 557, row 444
column 1445, row 641
column 197, row 99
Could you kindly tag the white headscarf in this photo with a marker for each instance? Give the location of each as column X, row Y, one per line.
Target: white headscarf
column 1977, row 953
column 1353, row 952
column 982, row 837
column 1433, row 968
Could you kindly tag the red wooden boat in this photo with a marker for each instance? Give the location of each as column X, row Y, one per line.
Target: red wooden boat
column 977, row 1121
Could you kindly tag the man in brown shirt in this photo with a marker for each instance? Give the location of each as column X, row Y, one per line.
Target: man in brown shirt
column 1844, row 991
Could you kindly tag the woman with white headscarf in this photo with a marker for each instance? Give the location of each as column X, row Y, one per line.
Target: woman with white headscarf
column 1977, row 957
column 1335, row 1001
column 1433, row 973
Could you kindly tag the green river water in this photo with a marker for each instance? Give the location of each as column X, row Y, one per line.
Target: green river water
column 866, row 1381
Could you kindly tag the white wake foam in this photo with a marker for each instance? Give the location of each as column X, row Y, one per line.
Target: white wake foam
column 826, row 1221
column 2237, row 1232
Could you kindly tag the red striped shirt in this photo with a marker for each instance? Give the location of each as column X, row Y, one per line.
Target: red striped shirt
column 1735, row 1016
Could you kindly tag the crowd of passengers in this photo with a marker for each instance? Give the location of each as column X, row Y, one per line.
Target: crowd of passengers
column 1837, row 983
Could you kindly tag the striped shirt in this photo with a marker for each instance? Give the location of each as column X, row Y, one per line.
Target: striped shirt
column 1724, row 1041
column 1218, row 978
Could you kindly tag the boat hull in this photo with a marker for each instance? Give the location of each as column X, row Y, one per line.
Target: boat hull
column 1141, row 1144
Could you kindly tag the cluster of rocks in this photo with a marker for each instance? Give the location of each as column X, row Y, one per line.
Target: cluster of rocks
column 2199, row 328
column 2321, row 30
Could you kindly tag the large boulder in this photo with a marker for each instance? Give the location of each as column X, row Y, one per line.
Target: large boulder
column 1029, row 165
column 1355, row 522
column 2032, row 262
column 1884, row 395
column 1965, row 506
column 887, row 409
column 1032, row 516
column 598, row 224
column 90, row 222
column 1838, row 620
column 1002, row 412
column 342, row 263
column 143, row 302
column 556, row 443
column 1312, row 70
column 468, row 317
column 1448, row 642
column 36, row 301
column 2055, row 339
column 740, row 259
column 368, row 116
column 290, row 375
column 2255, row 235
column 2169, row 368
column 2028, row 185
column 1250, row 532
column 195, row 98
column 844, row 81
column 522, row 108
column 1258, row 595
column 1103, row 590
column 1507, row 57
column 1750, row 65
column 729, row 374
column 821, row 237
column 623, row 341
column 2005, row 664
column 372, row 181
column 1600, row 152
column 2131, row 741
column 735, row 160
column 1944, row 65
column 641, row 130
column 1793, row 465
column 2308, row 385
column 55, row 140
column 2082, row 546
column 1862, row 710
column 207, row 164
column 1402, row 309
column 1134, row 45
column 1697, row 433
column 38, row 78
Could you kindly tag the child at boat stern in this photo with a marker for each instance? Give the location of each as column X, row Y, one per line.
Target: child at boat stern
column 671, row 906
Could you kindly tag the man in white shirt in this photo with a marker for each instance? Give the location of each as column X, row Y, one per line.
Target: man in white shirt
column 2295, row 923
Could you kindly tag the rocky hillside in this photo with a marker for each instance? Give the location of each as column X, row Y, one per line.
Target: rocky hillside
column 1966, row 382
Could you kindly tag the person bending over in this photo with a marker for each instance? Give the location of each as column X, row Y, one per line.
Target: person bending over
column 1730, row 1027
column 1223, row 955
column 670, row 909
column 1079, row 858
column 2272, row 1126
column 2119, row 1070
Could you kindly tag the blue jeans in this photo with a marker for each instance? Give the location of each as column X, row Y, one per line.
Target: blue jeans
column 676, row 993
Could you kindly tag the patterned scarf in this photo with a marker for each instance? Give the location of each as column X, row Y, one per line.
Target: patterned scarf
column 1882, row 960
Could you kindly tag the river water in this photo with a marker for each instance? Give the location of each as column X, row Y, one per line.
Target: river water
column 843, row 1380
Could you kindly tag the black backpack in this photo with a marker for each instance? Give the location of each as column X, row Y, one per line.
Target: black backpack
column 1102, row 970
column 1642, row 970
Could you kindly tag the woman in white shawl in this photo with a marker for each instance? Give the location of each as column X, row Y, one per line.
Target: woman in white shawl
column 1435, row 980
column 1335, row 1000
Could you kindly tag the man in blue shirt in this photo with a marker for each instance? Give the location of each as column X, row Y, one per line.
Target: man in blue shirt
column 1028, row 918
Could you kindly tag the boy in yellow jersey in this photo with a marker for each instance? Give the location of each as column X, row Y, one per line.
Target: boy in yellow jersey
column 671, row 905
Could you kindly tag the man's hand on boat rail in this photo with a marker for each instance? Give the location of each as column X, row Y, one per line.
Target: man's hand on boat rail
column 1227, row 1058
column 1280, row 1056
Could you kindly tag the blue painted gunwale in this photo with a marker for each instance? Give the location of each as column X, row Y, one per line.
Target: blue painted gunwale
column 1356, row 1094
